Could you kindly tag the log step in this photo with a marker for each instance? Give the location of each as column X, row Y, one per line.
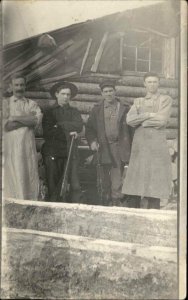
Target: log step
column 44, row 265
column 152, row 227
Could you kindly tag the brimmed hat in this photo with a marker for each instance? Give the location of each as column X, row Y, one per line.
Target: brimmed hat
column 107, row 83
column 64, row 85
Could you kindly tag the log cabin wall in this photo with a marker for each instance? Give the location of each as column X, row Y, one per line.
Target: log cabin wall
column 128, row 88
column 88, row 52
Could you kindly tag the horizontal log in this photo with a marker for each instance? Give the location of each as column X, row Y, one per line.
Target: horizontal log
column 174, row 111
column 129, row 91
column 45, row 104
column 44, row 265
column 86, row 107
column 124, row 80
column 122, row 223
column 171, row 134
column 172, row 123
column 83, row 97
column 37, row 95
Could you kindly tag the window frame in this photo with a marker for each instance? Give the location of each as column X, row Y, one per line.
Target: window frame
column 122, row 58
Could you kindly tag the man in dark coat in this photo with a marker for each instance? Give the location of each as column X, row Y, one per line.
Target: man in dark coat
column 59, row 124
column 109, row 135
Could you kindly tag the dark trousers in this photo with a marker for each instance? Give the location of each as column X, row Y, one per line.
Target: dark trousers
column 54, row 172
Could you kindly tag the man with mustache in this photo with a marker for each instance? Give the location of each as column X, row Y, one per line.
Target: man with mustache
column 21, row 117
column 109, row 135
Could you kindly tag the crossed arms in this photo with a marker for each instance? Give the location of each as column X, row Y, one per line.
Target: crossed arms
column 146, row 119
column 15, row 122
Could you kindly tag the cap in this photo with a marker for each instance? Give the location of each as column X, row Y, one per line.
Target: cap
column 106, row 83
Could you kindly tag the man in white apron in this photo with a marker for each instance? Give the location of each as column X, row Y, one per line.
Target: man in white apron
column 21, row 117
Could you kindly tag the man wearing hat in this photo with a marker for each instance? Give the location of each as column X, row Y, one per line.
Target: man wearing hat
column 59, row 124
column 109, row 135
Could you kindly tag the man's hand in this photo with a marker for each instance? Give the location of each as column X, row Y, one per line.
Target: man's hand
column 94, row 146
column 74, row 133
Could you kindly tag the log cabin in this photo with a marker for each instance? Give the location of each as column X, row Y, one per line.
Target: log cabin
column 122, row 46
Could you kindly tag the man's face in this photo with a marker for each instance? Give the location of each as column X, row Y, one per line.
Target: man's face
column 151, row 83
column 63, row 96
column 108, row 94
column 18, row 87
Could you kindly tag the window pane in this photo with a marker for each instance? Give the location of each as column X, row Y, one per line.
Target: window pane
column 129, row 52
column 143, row 53
column 156, row 54
column 156, row 66
column 128, row 65
column 142, row 66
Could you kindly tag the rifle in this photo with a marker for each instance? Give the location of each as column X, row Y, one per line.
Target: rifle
column 65, row 185
column 99, row 179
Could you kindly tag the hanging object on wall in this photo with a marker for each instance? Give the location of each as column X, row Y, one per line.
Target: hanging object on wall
column 46, row 43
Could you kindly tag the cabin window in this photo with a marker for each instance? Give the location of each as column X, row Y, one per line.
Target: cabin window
column 142, row 53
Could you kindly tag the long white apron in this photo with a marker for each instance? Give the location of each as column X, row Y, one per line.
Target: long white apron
column 21, row 180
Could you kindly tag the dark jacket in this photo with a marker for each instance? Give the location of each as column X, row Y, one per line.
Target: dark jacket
column 95, row 130
column 57, row 123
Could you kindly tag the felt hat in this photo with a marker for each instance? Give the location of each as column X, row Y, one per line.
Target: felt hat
column 65, row 85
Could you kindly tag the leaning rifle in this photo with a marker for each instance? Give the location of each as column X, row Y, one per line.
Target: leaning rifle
column 65, row 183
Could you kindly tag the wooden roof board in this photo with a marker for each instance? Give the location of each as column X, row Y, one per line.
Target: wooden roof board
column 71, row 60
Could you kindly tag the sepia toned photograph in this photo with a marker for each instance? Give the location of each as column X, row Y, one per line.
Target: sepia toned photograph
column 93, row 139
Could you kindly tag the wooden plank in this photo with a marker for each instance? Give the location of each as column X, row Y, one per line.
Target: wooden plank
column 57, row 78
column 156, row 32
column 160, row 227
column 99, row 53
column 42, row 70
column 86, row 55
column 24, row 65
column 54, row 53
column 16, row 58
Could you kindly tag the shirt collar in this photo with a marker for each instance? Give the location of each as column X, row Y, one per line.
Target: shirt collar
column 15, row 99
column 65, row 106
column 115, row 104
column 152, row 96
